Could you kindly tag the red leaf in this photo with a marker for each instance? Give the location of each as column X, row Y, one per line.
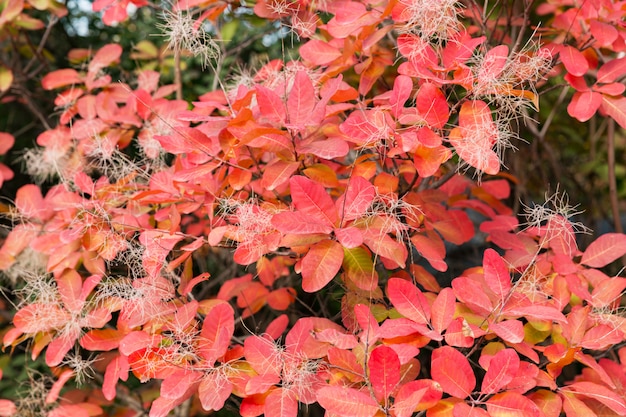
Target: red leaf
column 496, row 273
column 432, row 105
column 404, row 405
column 271, row 105
column 402, row 88
column 217, row 331
column 367, row 322
column 604, row 250
column 431, row 247
column 604, row 33
column 321, row 264
column 512, row 404
column 346, row 402
column 301, row 101
column 319, row 52
column 384, row 367
column 599, row 393
column 442, row 311
column 502, row 369
column 311, row 199
column 301, row 338
column 116, row 369
column 584, row 105
column 612, row 70
column 408, row 300
column 417, row 395
column 101, row 339
column 616, row 108
column 453, row 372
column 574, row 61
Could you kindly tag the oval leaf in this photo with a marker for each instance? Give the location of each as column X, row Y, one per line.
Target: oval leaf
column 453, row 372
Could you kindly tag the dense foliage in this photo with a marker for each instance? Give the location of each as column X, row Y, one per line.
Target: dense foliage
column 277, row 239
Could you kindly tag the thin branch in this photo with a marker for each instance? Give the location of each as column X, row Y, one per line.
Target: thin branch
column 612, row 180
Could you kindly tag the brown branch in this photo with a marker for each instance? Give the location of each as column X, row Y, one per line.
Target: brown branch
column 612, row 181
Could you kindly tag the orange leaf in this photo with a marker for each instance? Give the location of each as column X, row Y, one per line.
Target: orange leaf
column 512, row 404
column 321, row 264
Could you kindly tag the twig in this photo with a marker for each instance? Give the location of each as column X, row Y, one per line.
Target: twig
column 612, row 181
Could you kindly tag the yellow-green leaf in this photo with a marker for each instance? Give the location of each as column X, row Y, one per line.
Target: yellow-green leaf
column 6, row 78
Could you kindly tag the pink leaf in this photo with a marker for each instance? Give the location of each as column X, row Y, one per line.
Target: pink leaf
column 408, row 300
column 293, row 222
column 497, row 275
column 176, row 385
column 604, row 250
column 319, row 52
column 349, row 237
column 346, row 402
column 54, row 392
column 105, row 56
column 301, row 101
column 217, row 331
column 599, row 393
column 263, row 356
column 357, row 199
column 511, row 331
column 214, row 390
column 312, row 200
column 281, row 402
column 453, row 372
column 6, row 142
column 502, row 369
